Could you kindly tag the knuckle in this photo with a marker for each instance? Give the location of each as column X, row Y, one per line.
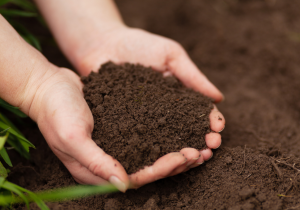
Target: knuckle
column 175, row 46
column 96, row 168
column 99, row 164
column 72, row 135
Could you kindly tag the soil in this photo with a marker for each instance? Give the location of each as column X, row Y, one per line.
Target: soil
column 250, row 51
column 139, row 115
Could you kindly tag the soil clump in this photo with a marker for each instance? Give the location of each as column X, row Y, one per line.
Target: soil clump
column 139, row 115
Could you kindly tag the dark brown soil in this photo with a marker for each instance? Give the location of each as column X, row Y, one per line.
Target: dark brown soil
column 250, row 50
column 140, row 116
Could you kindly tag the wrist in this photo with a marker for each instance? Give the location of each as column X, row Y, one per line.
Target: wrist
column 77, row 25
column 94, row 39
column 41, row 72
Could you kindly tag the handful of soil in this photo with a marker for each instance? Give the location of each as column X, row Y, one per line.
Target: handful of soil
column 140, row 115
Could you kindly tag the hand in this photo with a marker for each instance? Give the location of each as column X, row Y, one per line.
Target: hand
column 66, row 122
column 123, row 44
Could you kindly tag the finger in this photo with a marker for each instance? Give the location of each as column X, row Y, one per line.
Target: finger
column 205, row 156
column 185, row 70
column 160, row 169
column 193, row 157
column 213, row 140
column 191, row 154
column 94, row 159
column 217, row 120
column 197, row 163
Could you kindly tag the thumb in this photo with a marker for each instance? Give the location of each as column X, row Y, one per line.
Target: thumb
column 89, row 164
column 184, row 69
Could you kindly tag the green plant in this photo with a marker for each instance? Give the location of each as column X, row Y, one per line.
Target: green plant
column 55, row 195
column 11, row 193
column 14, row 138
column 25, row 9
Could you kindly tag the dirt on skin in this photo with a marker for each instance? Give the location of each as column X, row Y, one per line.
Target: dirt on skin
column 139, row 115
column 250, row 51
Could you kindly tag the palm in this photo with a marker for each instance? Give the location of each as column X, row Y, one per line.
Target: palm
column 138, row 46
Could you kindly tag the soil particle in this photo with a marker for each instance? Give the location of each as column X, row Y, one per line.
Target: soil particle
column 246, row 193
column 111, row 204
column 151, row 204
column 144, row 115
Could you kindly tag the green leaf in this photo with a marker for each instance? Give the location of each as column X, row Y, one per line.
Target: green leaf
column 38, row 201
column 17, row 13
column 18, row 146
column 3, row 172
column 34, row 41
column 9, row 123
column 11, row 187
column 61, row 194
column 23, row 140
column 27, row 35
column 2, row 2
column 34, row 197
column 26, row 5
column 11, row 108
column 75, row 192
column 3, row 139
column 5, row 157
column 4, row 130
column 2, row 180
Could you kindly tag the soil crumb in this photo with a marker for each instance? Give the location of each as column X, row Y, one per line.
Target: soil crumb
column 139, row 115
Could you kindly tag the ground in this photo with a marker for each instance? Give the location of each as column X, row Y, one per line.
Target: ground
column 250, row 51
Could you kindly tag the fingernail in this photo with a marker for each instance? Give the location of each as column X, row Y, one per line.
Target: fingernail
column 200, row 163
column 219, row 145
column 222, row 129
column 184, row 161
column 118, row 183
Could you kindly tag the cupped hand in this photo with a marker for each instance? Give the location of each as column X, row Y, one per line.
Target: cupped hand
column 124, row 44
column 66, row 122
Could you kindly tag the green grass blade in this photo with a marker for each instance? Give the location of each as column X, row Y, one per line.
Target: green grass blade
column 18, row 146
column 2, row 2
column 3, row 172
column 4, row 130
column 75, row 192
column 17, row 13
column 11, row 187
column 2, row 180
column 5, row 157
column 23, row 140
column 33, row 197
column 3, row 139
column 9, row 123
column 11, row 108
column 3, row 152
column 34, row 41
column 27, row 35
column 38, row 201
column 62, row 194
column 21, row 146
column 24, row 4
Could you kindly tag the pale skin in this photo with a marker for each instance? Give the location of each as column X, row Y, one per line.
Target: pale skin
column 91, row 33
